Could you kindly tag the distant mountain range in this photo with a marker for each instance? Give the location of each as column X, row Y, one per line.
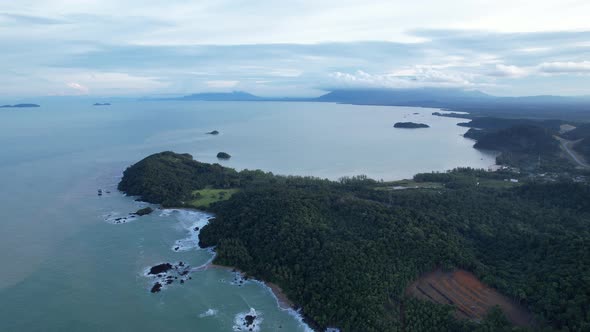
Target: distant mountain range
column 472, row 101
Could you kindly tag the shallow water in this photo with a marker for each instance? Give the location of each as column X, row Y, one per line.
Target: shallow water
column 67, row 267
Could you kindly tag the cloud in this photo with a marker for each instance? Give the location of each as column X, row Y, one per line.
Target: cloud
column 79, row 87
column 502, row 70
column 30, row 19
column 421, row 76
column 222, row 84
column 569, row 67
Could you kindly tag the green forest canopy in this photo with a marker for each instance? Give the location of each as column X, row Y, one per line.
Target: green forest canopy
column 344, row 252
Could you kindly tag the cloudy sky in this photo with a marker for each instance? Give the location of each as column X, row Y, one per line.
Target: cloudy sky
column 292, row 48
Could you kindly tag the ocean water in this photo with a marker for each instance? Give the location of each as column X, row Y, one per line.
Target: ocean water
column 66, row 265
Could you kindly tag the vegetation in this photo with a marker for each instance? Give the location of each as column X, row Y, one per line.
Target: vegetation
column 205, row 197
column 345, row 252
column 583, row 147
column 410, row 125
column 223, row 155
column 170, row 179
column 489, row 123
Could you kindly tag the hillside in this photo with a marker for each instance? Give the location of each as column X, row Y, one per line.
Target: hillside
column 478, row 104
column 583, row 148
column 520, row 139
column 346, row 251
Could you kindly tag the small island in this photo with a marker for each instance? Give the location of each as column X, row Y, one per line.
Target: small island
column 223, row 155
column 214, row 132
column 20, row 106
column 101, row 104
column 410, row 125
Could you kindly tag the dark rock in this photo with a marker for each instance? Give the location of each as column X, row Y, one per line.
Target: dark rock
column 249, row 320
column 164, row 267
column 196, row 228
column 144, row 211
column 182, row 281
column 214, row 132
column 157, row 287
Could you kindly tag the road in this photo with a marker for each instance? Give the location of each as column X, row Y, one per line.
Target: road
column 567, row 147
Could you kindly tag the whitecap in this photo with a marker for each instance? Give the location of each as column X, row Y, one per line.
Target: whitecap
column 296, row 314
column 210, row 312
column 115, row 218
column 192, row 222
column 248, row 321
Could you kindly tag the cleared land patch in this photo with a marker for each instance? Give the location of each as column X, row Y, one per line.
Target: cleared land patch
column 205, row 197
column 471, row 298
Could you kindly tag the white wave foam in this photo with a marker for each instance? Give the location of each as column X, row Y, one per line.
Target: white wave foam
column 242, row 319
column 193, row 222
column 115, row 218
column 208, row 313
column 292, row 312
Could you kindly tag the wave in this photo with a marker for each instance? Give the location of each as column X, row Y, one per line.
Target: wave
column 192, row 222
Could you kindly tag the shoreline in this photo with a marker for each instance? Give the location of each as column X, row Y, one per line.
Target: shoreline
column 283, row 301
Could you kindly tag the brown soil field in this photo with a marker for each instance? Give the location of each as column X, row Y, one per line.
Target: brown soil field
column 471, row 298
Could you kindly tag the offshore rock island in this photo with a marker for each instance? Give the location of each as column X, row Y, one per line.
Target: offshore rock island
column 410, row 125
column 312, row 237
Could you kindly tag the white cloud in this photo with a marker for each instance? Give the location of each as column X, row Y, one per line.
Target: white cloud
column 565, row 67
column 407, row 78
column 78, row 87
column 222, row 84
column 502, row 70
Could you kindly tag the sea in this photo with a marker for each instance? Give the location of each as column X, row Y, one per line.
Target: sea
column 71, row 260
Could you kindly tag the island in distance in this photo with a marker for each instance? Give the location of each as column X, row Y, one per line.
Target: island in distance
column 101, row 104
column 410, row 125
column 214, row 132
column 20, row 106
column 223, row 155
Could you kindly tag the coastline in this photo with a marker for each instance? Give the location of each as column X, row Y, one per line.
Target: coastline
column 283, row 301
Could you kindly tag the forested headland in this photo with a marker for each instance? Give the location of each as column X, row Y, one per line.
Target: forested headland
column 345, row 251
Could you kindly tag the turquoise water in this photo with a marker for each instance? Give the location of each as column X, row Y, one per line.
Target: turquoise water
column 67, row 267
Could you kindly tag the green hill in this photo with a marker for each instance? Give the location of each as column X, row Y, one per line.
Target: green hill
column 345, row 251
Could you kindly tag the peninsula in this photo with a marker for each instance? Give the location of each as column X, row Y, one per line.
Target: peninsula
column 312, row 237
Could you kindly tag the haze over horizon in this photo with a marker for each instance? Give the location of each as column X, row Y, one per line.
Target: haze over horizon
column 300, row 48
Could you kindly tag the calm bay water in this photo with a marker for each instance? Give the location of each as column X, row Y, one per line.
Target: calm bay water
column 66, row 268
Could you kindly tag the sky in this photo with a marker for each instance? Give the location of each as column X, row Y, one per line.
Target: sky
column 292, row 48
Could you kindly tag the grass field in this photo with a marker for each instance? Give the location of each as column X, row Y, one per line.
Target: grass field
column 205, row 197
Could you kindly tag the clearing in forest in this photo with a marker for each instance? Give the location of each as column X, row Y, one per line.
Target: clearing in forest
column 471, row 298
